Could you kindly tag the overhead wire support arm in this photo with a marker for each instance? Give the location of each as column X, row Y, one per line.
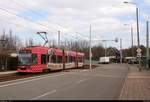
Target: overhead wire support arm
column 44, row 38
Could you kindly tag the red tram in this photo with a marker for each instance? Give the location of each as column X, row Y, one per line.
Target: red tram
column 42, row 59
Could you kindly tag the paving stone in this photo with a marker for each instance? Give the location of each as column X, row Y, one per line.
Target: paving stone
column 137, row 85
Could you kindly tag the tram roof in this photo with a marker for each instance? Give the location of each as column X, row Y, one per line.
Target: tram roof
column 42, row 49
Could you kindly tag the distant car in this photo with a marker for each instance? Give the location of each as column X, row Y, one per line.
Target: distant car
column 133, row 61
column 130, row 62
column 104, row 60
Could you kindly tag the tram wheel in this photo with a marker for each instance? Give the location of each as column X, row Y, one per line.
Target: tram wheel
column 46, row 71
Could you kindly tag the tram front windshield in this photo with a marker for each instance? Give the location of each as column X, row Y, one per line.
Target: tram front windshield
column 25, row 59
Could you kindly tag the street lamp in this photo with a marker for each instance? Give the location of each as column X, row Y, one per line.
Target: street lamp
column 131, row 38
column 137, row 20
column 58, row 39
column 90, row 53
column 121, row 57
column 105, row 46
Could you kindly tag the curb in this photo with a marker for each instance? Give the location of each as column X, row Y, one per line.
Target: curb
column 124, row 84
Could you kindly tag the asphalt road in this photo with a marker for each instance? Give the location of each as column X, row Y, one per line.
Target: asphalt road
column 102, row 83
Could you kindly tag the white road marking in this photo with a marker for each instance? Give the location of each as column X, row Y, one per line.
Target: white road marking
column 25, row 79
column 30, row 80
column 97, row 75
column 53, row 91
column 124, row 85
column 82, row 80
column 22, row 79
column 84, row 70
column 45, row 94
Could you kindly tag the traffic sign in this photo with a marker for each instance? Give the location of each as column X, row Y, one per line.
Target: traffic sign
column 139, row 55
column 138, row 50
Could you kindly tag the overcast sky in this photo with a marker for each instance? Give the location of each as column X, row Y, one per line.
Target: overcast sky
column 71, row 17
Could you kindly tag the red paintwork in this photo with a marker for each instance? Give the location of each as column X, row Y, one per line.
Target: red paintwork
column 38, row 67
column 73, row 53
column 80, row 54
column 44, row 50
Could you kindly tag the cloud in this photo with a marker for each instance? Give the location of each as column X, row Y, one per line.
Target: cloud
column 147, row 2
column 69, row 16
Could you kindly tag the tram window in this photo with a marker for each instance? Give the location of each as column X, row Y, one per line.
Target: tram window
column 80, row 59
column 53, row 59
column 70, row 59
column 48, row 58
column 34, row 59
column 66, row 59
column 59, row 59
column 43, row 59
column 73, row 59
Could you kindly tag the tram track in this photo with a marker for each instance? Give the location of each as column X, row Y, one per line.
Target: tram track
column 15, row 76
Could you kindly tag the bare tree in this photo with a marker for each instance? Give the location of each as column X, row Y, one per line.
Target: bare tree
column 31, row 43
column 8, row 45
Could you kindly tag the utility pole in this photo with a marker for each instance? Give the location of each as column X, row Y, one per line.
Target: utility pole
column 147, row 40
column 105, row 47
column 137, row 18
column 121, row 51
column 132, row 41
column 138, row 38
column 76, row 51
column 90, row 48
column 58, row 39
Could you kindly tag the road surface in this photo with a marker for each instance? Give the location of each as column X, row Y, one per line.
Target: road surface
column 102, row 83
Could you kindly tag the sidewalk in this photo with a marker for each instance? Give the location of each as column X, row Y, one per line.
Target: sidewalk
column 7, row 72
column 137, row 85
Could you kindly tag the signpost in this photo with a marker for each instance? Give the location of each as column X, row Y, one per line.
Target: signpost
column 139, row 55
column 138, row 50
column 63, row 59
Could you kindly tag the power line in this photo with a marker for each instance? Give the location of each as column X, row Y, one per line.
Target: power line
column 23, row 17
column 22, row 6
column 17, row 25
column 74, row 37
